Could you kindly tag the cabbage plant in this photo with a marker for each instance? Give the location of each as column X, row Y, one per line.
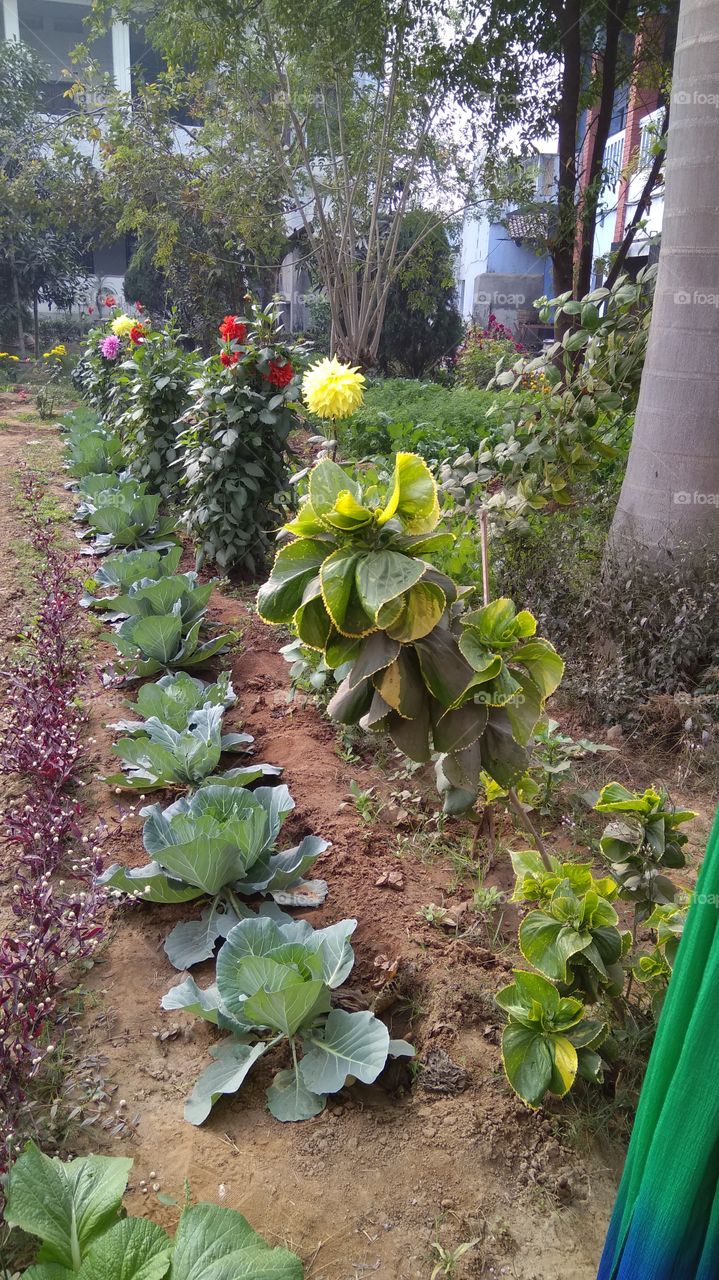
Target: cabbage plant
column 95, row 491
column 275, row 978
column 220, row 842
column 174, row 698
column 119, row 572
column 180, row 593
column 159, row 756
column 437, row 675
column 162, row 641
column 90, row 448
column 74, row 1208
column 127, row 520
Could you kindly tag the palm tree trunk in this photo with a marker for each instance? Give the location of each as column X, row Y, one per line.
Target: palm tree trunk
column 670, row 496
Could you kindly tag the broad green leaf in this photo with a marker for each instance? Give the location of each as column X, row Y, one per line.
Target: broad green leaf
column 327, row 482
column 295, row 565
column 134, row 1249
column 528, row 1062
column 192, row 941
column 214, row 1243
column 384, row 575
column 66, row 1205
column 549, row 945
column 543, row 664
column 150, row 883
column 340, row 596
column 232, row 1062
column 445, row 671
column 413, row 499
column 376, row 653
column 288, row 1097
column 421, row 609
column 349, row 1044
column 158, row 637
column 286, row 1009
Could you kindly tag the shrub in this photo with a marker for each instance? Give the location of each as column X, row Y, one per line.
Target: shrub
column 233, row 439
column 421, row 417
column 159, row 372
column 483, row 347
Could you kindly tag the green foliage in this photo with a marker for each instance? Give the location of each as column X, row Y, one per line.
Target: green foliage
column 161, row 642
column 422, row 417
column 75, row 1210
column 422, row 325
column 129, row 517
column 641, row 841
column 275, row 976
column 159, row 373
column 158, row 756
column 90, row 447
column 220, row 842
column 553, row 756
column 233, row 439
column 436, row 675
column 99, row 380
column 548, row 1040
column 124, row 570
column 481, row 351
column 174, row 698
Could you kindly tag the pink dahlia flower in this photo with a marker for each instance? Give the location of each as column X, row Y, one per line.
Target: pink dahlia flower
column 110, row 346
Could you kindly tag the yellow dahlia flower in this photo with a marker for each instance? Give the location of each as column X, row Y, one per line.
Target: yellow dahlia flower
column 332, row 389
column 122, row 325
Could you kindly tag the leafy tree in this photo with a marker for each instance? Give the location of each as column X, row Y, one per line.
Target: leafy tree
column 335, row 120
column 49, row 196
column 422, row 323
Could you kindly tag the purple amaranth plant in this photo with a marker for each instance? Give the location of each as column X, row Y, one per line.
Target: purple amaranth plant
column 57, row 924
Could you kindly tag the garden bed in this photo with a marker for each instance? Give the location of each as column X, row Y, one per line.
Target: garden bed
column 443, row 1154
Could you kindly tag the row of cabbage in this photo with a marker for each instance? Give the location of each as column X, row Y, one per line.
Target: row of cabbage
column 219, row 841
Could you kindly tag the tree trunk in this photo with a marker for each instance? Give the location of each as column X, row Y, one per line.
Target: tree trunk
column 16, row 298
column 568, row 16
column 36, row 324
column 670, row 496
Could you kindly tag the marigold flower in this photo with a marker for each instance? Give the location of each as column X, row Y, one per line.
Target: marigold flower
column 232, row 328
column 122, row 326
column 229, row 357
column 110, row 346
column 279, row 375
column 137, row 333
column 332, row 389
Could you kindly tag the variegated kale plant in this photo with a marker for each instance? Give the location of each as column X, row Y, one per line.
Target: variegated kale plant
column 354, row 577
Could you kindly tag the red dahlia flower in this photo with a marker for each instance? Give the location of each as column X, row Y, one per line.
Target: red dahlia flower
column 229, row 357
column 232, row 328
column 110, row 301
column 137, row 333
column 280, row 374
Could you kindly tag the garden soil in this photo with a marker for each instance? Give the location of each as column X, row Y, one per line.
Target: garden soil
column 444, row 1154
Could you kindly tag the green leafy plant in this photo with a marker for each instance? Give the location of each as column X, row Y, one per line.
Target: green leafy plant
column 641, row 842
column 553, row 755
column 159, row 373
column 275, row 976
column 220, row 842
column 162, row 641
column 160, row 756
column 232, row 442
column 572, row 935
column 354, row 583
column 548, row 1040
column 75, row 1210
column 123, row 569
column 174, row 698
column 90, row 448
column 653, row 968
column 178, row 594
column 129, row 520
column 448, row 1259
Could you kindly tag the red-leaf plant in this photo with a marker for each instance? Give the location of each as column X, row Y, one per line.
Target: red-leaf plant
column 56, row 924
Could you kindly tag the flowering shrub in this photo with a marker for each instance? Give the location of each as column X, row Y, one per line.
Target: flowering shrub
column 159, row 372
column 482, row 348
column 233, row 440
column 54, row 926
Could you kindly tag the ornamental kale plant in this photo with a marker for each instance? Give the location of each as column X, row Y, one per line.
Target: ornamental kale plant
column 233, row 439
column 219, row 842
column 159, row 372
column 75, row 1210
column 437, row 675
column 159, row 756
column 275, row 978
